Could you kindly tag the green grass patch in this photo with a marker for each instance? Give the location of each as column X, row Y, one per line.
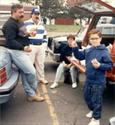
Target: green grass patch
column 62, row 28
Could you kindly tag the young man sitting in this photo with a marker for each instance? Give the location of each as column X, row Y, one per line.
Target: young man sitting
column 66, row 51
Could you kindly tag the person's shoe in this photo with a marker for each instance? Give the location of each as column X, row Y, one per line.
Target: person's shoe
column 112, row 121
column 38, row 92
column 44, row 81
column 35, row 98
column 94, row 122
column 54, row 85
column 74, row 85
column 89, row 115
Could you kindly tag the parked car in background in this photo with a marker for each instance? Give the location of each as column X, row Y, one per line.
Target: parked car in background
column 102, row 19
column 9, row 74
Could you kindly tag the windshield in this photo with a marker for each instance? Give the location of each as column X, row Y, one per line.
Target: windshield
column 110, row 2
column 95, row 7
column 106, row 24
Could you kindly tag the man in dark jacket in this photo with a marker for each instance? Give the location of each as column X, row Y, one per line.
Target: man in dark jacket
column 18, row 47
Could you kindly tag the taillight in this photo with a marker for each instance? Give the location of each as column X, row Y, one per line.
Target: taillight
column 3, row 76
column 111, row 74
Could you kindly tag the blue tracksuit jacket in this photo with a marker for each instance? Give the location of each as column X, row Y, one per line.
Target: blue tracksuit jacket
column 95, row 76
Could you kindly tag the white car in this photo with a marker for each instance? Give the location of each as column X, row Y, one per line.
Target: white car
column 8, row 76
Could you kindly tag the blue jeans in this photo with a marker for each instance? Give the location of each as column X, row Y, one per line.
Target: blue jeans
column 28, row 73
column 93, row 95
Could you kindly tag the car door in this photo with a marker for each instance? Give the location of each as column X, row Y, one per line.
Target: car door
column 103, row 18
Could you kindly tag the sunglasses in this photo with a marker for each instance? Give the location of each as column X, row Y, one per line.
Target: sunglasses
column 95, row 38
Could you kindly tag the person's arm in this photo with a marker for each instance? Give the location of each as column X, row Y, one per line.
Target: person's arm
column 77, row 64
column 79, row 54
column 45, row 35
column 10, row 34
column 45, row 40
column 106, row 62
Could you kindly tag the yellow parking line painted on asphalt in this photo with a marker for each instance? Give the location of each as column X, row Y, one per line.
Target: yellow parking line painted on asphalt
column 50, row 106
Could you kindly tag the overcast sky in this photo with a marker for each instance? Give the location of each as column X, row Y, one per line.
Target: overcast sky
column 8, row 1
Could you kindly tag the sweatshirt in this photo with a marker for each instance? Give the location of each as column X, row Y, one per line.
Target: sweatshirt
column 93, row 75
column 11, row 32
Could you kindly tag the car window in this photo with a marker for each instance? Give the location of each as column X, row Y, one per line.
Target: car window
column 105, row 20
column 106, row 25
column 3, row 18
column 93, row 6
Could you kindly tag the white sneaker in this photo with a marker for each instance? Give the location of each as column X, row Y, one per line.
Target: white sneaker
column 112, row 121
column 45, row 82
column 94, row 122
column 74, row 85
column 89, row 115
column 54, row 85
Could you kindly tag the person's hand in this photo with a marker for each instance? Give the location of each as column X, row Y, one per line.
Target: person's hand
column 95, row 63
column 32, row 32
column 27, row 49
column 68, row 65
column 73, row 44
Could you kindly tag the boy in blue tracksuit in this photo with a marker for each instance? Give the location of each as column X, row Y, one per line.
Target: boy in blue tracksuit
column 97, row 62
column 65, row 51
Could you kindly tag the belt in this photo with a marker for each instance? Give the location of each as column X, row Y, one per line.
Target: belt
column 36, row 43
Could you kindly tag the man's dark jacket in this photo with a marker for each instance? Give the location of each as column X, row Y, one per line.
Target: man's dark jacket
column 11, row 33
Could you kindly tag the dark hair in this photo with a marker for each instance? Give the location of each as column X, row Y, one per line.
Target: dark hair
column 71, row 36
column 14, row 7
column 94, row 31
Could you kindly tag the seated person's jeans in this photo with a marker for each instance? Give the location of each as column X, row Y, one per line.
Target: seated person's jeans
column 60, row 72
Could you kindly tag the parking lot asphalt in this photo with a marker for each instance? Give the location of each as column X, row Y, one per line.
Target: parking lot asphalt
column 63, row 105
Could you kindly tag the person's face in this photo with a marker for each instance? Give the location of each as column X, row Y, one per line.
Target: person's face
column 19, row 14
column 71, row 41
column 36, row 17
column 94, row 40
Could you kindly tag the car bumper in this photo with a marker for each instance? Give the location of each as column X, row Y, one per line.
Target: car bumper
column 7, row 89
column 55, row 56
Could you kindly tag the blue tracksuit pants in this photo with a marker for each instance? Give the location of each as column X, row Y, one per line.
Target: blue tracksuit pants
column 93, row 94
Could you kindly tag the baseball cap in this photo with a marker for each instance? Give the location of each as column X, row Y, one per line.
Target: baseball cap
column 35, row 11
